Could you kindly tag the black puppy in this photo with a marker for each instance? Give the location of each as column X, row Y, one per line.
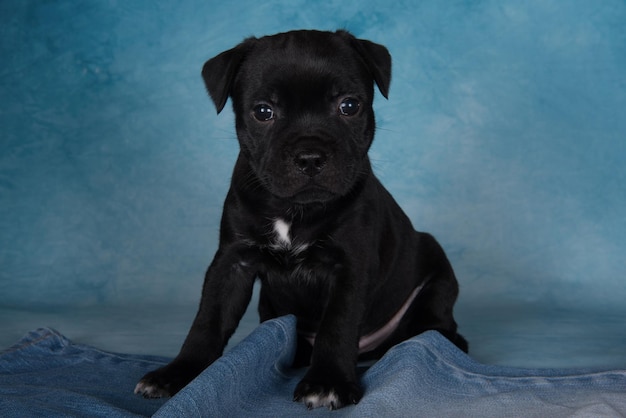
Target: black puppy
column 306, row 215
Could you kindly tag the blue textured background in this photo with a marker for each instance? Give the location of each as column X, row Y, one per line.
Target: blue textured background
column 504, row 136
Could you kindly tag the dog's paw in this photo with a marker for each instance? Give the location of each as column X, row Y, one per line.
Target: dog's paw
column 149, row 388
column 330, row 395
column 164, row 382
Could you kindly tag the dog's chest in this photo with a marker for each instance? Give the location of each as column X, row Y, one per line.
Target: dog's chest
column 281, row 239
column 294, row 255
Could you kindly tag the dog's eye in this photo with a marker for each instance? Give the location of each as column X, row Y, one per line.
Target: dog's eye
column 263, row 112
column 349, row 106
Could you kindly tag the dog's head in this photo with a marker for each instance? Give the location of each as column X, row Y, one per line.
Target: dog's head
column 303, row 108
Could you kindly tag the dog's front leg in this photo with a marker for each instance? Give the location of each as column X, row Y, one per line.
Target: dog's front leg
column 225, row 295
column 331, row 381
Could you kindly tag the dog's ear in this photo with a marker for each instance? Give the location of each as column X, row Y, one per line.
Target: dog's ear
column 378, row 60
column 219, row 73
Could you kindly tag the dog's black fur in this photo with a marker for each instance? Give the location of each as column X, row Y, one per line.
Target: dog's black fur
column 306, row 215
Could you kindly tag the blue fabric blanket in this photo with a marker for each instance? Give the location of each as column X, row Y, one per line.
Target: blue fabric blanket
column 45, row 374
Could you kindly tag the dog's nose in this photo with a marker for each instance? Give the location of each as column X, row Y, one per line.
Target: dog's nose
column 310, row 162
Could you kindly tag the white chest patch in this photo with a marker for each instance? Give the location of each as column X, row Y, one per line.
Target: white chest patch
column 283, row 241
column 281, row 228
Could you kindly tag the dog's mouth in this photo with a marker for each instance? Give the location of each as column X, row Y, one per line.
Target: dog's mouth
column 312, row 194
column 302, row 192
